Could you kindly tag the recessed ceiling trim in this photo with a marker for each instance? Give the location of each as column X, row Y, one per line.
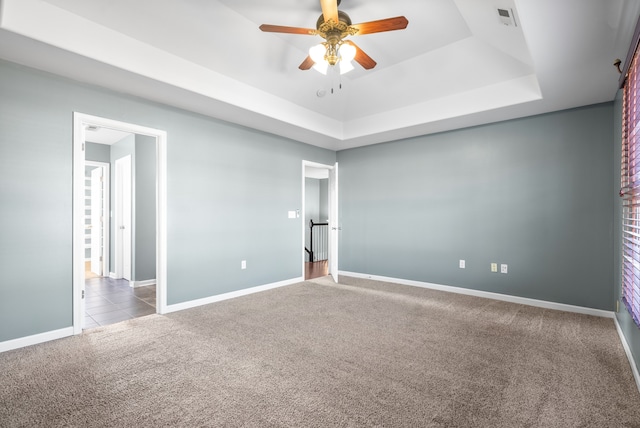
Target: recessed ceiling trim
column 565, row 51
column 517, row 91
column 57, row 27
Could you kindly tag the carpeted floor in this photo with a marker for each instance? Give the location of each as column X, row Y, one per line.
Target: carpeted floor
column 315, row 354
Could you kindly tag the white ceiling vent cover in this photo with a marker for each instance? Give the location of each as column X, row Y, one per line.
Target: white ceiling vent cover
column 506, row 17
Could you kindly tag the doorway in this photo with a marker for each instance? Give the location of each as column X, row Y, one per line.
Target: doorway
column 117, row 279
column 97, row 230
column 320, row 214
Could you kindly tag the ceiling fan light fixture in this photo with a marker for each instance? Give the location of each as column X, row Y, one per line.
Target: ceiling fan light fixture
column 321, row 67
column 347, row 54
column 342, row 54
column 317, row 54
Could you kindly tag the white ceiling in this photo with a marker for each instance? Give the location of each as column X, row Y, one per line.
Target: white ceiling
column 107, row 136
column 455, row 65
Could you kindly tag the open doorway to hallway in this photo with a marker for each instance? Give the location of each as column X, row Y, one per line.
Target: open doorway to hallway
column 120, row 262
column 320, row 229
column 119, row 221
column 316, row 217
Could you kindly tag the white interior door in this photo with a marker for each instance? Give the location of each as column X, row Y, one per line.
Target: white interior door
column 334, row 225
column 96, row 220
column 123, row 218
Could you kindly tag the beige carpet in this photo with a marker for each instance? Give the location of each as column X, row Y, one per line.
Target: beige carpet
column 321, row 355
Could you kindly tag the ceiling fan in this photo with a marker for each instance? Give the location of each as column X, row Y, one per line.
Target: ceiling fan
column 335, row 26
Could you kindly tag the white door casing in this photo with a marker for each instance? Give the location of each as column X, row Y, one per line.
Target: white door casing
column 80, row 122
column 334, row 224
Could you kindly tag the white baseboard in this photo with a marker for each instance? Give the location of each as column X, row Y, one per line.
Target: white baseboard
column 112, row 275
column 230, row 295
column 514, row 299
column 65, row 332
column 627, row 350
column 136, row 284
column 21, row 342
column 488, row 295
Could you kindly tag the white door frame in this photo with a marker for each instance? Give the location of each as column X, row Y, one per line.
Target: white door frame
column 334, row 224
column 333, row 215
column 80, row 122
column 106, row 168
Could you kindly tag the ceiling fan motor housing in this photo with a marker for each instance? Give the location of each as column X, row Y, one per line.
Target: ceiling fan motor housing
column 333, row 33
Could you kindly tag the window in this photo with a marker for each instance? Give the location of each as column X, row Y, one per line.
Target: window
column 630, row 191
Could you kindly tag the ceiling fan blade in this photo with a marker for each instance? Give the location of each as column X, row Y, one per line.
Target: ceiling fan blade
column 389, row 24
column 329, row 10
column 306, row 64
column 362, row 58
column 290, row 30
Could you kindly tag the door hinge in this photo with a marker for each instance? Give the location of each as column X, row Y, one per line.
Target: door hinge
column 83, row 294
column 100, row 258
column 83, row 147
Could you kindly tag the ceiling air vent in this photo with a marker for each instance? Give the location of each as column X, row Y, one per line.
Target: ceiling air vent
column 506, row 17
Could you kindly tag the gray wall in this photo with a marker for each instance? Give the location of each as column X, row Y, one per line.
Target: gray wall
column 142, row 149
column 144, row 254
column 229, row 190
column 97, row 152
column 324, row 199
column 534, row 193
column 627, row 325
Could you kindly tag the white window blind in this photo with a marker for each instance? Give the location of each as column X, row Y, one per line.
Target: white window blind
column 630, row 192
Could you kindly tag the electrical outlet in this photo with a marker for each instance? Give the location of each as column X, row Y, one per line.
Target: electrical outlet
column 243, row 264
column 494, row 267
column 462, row 264
column 503, row 268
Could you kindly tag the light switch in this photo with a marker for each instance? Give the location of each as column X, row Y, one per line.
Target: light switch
column 292, row 214
column 494, row 267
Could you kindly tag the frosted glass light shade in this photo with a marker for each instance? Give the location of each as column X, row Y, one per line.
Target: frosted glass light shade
column 317, row 55
column 345, row 67
column 321, row 67
column 347, row 52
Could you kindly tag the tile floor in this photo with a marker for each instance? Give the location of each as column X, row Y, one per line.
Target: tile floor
column 108, row 301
